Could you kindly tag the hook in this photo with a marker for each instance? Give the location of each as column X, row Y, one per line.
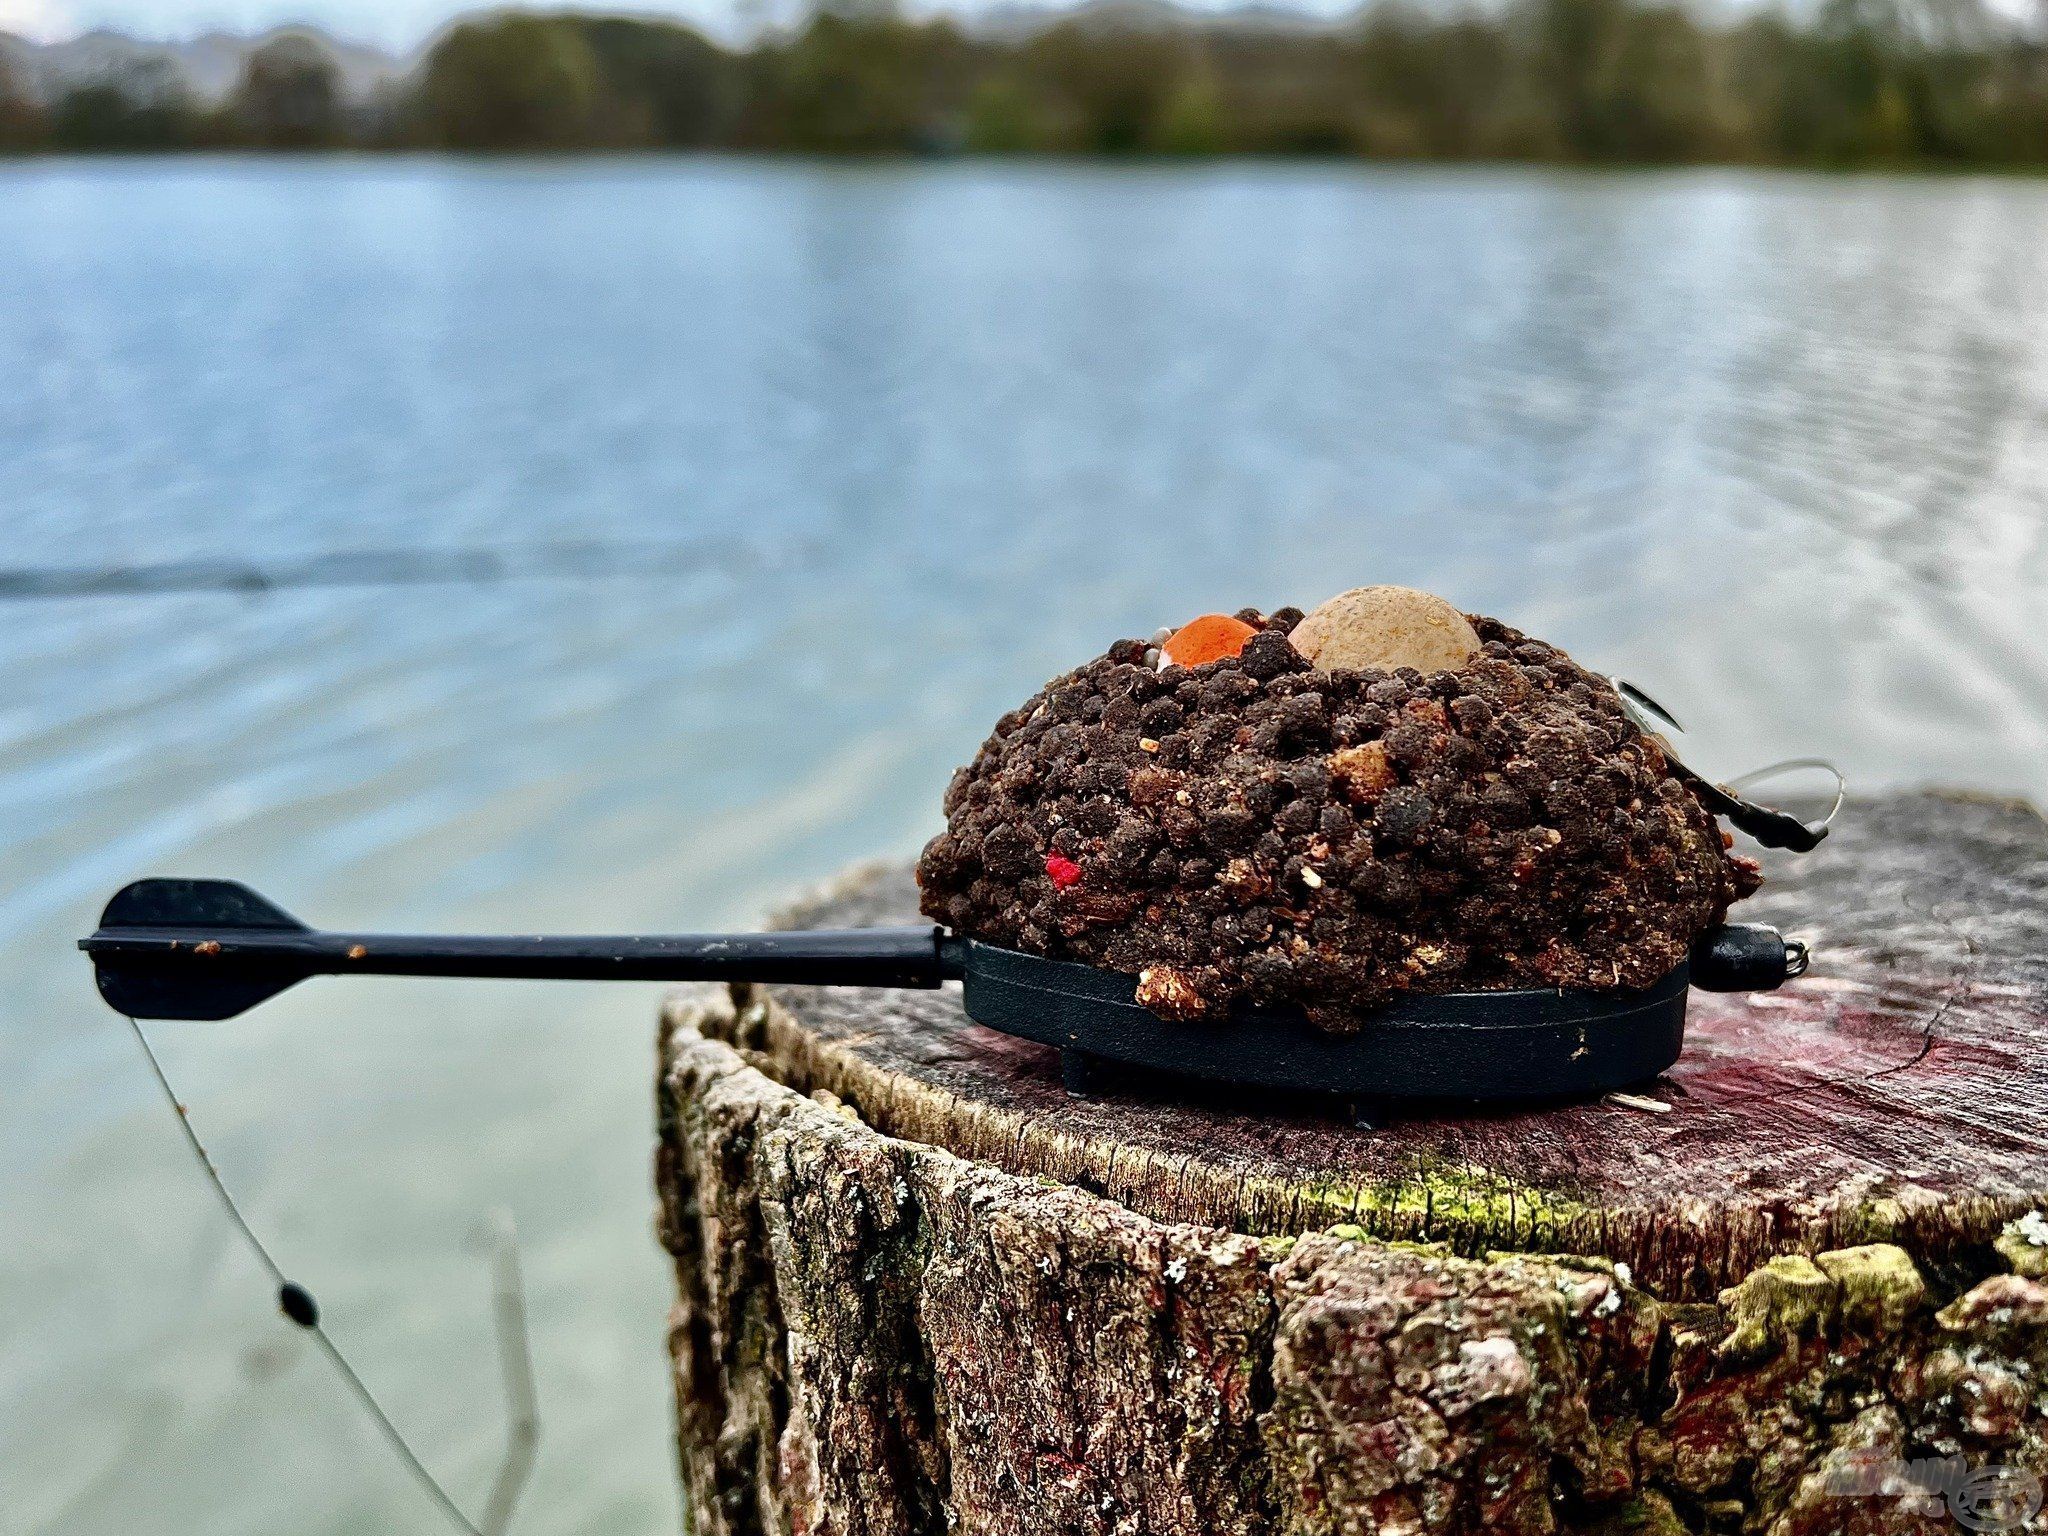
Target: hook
column 1771, row 828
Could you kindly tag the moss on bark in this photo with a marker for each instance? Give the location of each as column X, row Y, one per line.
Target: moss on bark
column 876, row 1336
column 921, row 1290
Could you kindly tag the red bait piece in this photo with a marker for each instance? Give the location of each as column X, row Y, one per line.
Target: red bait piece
column 1210, row 638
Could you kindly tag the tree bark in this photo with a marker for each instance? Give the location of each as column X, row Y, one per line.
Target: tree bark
column 920, row 1289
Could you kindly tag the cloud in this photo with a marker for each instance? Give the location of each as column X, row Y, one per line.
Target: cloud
column 42, row 20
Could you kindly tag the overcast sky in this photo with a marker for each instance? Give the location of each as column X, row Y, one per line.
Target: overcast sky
column 394, row 23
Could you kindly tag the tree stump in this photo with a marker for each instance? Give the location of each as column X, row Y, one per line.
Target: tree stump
column 921, row 1289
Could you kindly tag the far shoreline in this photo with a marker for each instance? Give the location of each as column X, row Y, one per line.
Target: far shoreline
column 1931, row 169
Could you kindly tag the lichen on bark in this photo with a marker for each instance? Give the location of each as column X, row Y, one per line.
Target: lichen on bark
column 922, row 1290
column 874, row 1335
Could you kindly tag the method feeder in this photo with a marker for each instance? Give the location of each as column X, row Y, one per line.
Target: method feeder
column 210, row 949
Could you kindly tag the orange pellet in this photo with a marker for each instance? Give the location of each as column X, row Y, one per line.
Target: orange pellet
column 1209, row 638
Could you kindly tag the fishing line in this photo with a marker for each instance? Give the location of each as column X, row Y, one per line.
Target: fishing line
column 297, row 1303
column 1743, row 782
column 399, row 567
column 515, row 1364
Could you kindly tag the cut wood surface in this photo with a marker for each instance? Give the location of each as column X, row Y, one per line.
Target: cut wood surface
column 1899, row 1090
column 922, row 1289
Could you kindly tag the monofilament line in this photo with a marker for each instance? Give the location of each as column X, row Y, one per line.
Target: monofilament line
column 298, row 1305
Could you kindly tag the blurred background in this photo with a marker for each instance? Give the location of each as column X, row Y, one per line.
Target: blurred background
column 553, row 539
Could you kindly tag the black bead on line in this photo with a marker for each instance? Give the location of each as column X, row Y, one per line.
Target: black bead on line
column 297, row 1304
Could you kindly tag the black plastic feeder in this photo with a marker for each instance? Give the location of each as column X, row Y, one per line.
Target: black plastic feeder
column 210, row 949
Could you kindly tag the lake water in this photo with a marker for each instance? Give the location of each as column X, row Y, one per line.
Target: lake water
column 910, row 440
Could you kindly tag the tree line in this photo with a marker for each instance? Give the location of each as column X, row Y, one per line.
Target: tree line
column 1851, row 83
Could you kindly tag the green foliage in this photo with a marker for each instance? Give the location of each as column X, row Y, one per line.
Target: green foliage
column 856, row 82
column 23, row 125
column 1858, row 82
column 1004, row 118
column 289, row 96
column 512, row 81
column 140, row 109
column 662, row 84
column 1112, row 91
column 1191, row 120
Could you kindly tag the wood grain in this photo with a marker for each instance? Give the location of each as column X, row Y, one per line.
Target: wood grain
column 1895, row 1092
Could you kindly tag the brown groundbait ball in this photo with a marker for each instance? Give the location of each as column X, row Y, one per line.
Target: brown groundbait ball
column 1257, row 830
